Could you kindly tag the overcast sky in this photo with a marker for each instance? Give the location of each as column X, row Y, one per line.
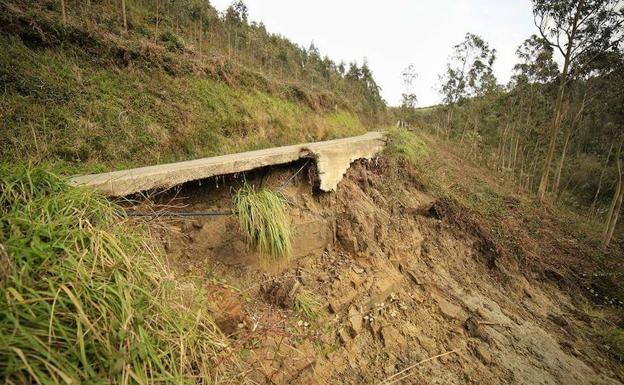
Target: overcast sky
column 392, row 34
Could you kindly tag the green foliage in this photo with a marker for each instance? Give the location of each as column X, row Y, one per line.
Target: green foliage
column 509, row 130
column 172, row 41
column 614, row 337
column 406, row 146
column 263, row 216
column 469, row 73
column 537, row 64
column 85, row 297
column 307, row 304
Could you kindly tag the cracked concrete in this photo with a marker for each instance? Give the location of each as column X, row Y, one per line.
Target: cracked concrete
column 332, row 157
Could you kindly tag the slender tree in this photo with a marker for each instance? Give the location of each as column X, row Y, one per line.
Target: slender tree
column 574, row 28
column 408, row 98
column 616, row 203
column 123, row 12
column 468, row 73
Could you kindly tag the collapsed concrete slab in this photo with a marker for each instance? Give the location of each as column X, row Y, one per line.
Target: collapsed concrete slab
column 333, row 158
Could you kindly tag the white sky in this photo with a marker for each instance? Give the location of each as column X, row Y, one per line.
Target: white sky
column 394, row 33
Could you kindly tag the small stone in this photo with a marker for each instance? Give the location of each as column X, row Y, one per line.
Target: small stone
column 449, row 310
column 392, row 337
column 343, row 336
column 559, row 320
column 323, row 277
column 389, row 369
column 355, row 322
column 483, row 355
column 413, row 277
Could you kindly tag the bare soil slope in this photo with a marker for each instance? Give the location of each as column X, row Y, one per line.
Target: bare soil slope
column 389, row 275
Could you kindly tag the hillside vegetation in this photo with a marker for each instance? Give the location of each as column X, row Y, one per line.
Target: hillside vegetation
column 448, row 258
column 86, row 297
column 96, row 86
column 557, row 127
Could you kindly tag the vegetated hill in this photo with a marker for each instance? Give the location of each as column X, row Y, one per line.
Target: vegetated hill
column 557, row 132
column 95, row 86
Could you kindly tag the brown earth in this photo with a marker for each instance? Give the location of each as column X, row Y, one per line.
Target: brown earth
column 401, row 277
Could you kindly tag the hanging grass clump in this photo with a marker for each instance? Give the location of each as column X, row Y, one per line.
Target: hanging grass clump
column 264, row 219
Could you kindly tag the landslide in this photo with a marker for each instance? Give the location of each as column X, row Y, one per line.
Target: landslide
column 419, row 269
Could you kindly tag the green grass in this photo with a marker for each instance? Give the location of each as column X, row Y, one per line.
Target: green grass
column 263, row 216
column 614, row 337
column 65, row 108
column 86, row 298
column 405, row 146
column 307, row 304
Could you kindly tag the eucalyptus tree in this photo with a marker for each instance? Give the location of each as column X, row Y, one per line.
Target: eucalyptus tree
column 408, row 97
column 468, row 73
column 574, row 29
column 529, row 92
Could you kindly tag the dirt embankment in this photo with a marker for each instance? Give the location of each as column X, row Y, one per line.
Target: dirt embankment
column 399, row 277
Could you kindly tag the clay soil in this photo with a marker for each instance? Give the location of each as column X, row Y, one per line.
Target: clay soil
column 399, row 276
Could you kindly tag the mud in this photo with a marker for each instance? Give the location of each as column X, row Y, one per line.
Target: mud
column 401, row 277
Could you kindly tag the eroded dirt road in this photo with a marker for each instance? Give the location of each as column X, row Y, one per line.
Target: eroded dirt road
column 400, row 277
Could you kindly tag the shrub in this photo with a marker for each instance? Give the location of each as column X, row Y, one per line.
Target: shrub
column 614, row 337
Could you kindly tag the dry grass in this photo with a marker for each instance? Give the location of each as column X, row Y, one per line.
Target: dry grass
column 307, row 304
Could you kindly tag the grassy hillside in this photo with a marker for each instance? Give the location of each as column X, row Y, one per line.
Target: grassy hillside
column 84, row 95
column 87, row 297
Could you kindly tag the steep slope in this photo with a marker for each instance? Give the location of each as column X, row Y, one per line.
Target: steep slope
column 85, row 94
column 395, row 270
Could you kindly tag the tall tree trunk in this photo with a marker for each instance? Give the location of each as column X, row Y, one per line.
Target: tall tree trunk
column 63, row 12
column 561, row 163
column 199, row 36
column 125, row 19
column 501, row 148
column 593, row 205
column 558, row 113
column 229, row 43
column 157, row 16
column 554, row 133
column 615, row 214
column 449, row 118
column 515, row 156
column 616, row 202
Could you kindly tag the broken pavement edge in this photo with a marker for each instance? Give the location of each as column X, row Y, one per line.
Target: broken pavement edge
column 332, row 157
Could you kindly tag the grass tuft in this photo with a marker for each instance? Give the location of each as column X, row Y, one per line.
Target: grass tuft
column 307, row 304
column 264, row 219
column 85, row 298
